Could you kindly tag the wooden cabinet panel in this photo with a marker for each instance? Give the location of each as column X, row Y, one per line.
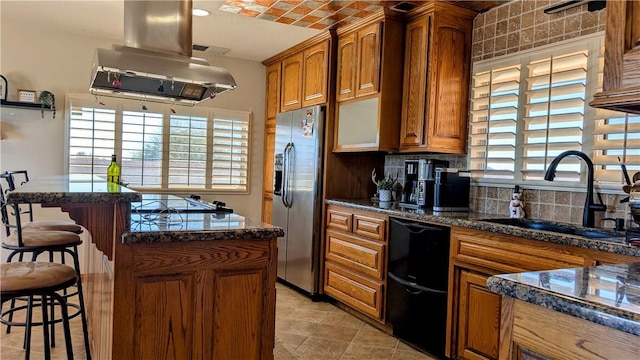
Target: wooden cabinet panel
column 267, row 172
column 315, row 70
column 339, row 220
column 358, row 254
column 478, row 318
column 368, row 75
column 354, row 290
column 291, row 82
column 415, row 82
column 272, row 101
column 370, row 227
column 436, row 79
column 346, row 72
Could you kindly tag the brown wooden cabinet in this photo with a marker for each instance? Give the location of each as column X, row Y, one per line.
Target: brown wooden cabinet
column 272, row 98
column 291, row 82
column 369, row 84
column 314, row 74
column 473, row 328
column 355, row 259
column 621, row 79
column 267, row 179
column 436, row 79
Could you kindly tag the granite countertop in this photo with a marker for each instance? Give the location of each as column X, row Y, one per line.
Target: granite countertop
column 608, row 294
column 69, row 189
column 616, row 244
column 167, row 218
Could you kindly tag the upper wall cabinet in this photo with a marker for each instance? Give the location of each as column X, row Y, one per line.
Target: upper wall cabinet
column 304, row 77
column 369, row 84
column 436, row 79
column 272, row 100
column 621, row 82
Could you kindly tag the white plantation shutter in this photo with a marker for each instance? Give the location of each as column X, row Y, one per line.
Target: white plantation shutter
column 188, row 151
column 91, row 139
column 141, row 160
column 616, row 139
column 230, row 163
column 494, row 117
column 528, row 107
column 554, row 114
column 195, row 148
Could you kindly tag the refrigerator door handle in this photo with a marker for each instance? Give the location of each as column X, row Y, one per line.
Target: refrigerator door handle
column 289, row 194
column 285, row 177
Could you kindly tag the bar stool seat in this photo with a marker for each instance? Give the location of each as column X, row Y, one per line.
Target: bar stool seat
column 31, row 239
column 28, row 279
column 53, row 226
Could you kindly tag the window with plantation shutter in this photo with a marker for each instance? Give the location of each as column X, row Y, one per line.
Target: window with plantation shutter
column 161, row 147
column 616, row 140
column 91, row 139
column 494, row 115
column 528, row 107
column 230, row 155
column 554, row 114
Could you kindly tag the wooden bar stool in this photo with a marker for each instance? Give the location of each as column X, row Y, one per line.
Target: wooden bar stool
column 41, row 279
column 20, row 242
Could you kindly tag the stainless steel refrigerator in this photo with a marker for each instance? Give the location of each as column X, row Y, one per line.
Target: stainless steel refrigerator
column 297, row 199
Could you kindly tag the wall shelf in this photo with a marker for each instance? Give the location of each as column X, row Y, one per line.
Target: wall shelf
column 23, row 105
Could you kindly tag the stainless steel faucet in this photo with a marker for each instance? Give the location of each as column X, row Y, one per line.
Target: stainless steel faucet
column 588, row 216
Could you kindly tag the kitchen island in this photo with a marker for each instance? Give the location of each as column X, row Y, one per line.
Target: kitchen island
column 585, row 313
column 168, row 283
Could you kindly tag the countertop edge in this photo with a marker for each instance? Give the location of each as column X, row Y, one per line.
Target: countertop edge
column 131, row 238
column 570, row 306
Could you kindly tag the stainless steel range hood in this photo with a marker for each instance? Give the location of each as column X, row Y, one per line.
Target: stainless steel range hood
column 156, row 63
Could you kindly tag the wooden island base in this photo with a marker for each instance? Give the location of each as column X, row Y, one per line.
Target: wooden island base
column 183, row 300
column 530, row 331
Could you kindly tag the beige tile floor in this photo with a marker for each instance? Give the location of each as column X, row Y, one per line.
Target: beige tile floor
column 305, row 330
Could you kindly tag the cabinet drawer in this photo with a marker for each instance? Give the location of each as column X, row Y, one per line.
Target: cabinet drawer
column 508, row 254
column 362, row 255
column 339, row 220
column 369, row 227
column 356, row 291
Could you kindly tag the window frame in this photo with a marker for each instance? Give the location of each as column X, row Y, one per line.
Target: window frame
column 594, row 42
column 121, row 105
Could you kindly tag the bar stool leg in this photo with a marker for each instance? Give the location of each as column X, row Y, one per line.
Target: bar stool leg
column 83, row 314
column 64, row 310
column 45, row 328
column 53, row 317
column 27, row 332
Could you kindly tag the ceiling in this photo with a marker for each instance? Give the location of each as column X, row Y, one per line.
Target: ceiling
column 231, row 25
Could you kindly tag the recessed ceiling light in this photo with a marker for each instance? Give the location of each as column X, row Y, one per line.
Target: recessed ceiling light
column 200, row 12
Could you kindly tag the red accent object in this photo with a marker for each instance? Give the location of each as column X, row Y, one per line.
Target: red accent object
column 116, row 83
column 212, row 96
column 173, row 111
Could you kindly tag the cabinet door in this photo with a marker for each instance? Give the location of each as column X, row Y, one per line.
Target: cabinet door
column 272, row 100
column 291, row 82
column 314, row 79
column 346, row 71
column 448, row 84
column 357, row 291
column 415, row 82
column 368, row 76
column 478, row 318
column 267, row 175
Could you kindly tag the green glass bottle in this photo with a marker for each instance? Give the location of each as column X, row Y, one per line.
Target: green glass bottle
column 113, row 172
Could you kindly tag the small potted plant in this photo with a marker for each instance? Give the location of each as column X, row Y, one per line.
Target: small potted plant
column 385, row 185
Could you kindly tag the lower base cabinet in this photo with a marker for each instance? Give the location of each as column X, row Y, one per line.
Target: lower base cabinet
column 478, row 318
column 354, row 290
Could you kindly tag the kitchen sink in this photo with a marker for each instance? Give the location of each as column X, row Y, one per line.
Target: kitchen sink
column 556, row 227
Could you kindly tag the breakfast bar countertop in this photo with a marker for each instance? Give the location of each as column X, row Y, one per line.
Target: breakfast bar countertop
column 72, row 189
column 472, row 220
column 608, row 294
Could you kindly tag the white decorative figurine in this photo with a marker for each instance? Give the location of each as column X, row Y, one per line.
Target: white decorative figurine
column 516, row 206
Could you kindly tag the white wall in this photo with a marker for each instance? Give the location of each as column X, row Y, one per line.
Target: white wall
column 39, row 59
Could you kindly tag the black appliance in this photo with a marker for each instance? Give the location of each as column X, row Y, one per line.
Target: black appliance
column 451, row 191
column 417, row 283
column 419, row 178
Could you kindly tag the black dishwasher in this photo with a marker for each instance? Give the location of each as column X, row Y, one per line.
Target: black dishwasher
column 417, row 283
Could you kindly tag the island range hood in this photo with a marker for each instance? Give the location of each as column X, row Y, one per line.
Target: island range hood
column 155, row 64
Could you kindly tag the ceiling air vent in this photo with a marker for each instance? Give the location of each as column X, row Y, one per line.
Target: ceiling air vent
column 403, row 6
column 211, row 49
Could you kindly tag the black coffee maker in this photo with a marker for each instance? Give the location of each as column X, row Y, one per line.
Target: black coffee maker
column 419, row 179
